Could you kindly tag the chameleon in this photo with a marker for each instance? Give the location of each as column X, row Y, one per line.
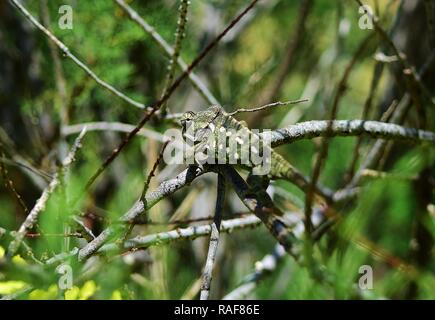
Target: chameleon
column 205, row 129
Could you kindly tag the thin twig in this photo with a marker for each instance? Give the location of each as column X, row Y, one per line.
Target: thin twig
column 145, row 189
column 214, row 239
column 189, row 233
column 406, row 68
column 324, row 147
column 111, row 126
column 267, row 106
column 368, row 104
column 179, row 36
column 374, row 174
column 375, row 153
column 165, row 189
column 166, row 237
column 153, row 170
column 169, row 51
column 65, row 50
column 38, row 177
column 156, row 105
column 62, row 98
column 271, row 93
column 9, row 184
column 270, row 262
column 41, row 203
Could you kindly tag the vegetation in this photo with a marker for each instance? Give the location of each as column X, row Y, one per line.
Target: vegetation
column 90, row 209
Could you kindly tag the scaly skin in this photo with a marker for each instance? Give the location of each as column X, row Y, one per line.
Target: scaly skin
column 208, row 128
column 208, row 124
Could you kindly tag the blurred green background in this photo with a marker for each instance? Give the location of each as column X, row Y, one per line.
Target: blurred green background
column 240, row 72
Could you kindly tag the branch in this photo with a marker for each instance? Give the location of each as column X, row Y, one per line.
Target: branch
column 345, row 128
column 322, row 154
column 263, row 267
column 157, row 104
column 71, row 56
column 189, row 233
column 406, row 68
column 375, row 153
column 9, row 184
column 270, row 262
column 32, row 217
column 39, row 178
column 165, row 189
column 179, row 36
column 214, row 239
column 111, row 126
column 290, row 134
column 272, row 92
column 258, row 201
column 194, row 79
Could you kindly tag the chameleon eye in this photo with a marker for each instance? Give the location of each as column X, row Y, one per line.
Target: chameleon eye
column 185, row 120
column 187, row 116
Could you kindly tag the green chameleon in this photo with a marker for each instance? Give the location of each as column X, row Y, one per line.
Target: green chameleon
column 212, row 130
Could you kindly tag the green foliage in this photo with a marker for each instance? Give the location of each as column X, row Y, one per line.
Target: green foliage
column 238, row 73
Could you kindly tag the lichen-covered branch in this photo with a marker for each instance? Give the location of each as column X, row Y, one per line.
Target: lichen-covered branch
column 345, row 128
column 189, row 233
column 293, row 133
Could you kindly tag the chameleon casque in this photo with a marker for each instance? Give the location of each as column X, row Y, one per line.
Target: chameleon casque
column 204, row 130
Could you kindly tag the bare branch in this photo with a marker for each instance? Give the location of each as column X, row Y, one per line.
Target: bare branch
column 263, row 267
column 156, row 105
column 346, row 128
column 267, row 106
column 179, row 36
column 271, row 92
column 32, row 217
column 270, row 262
column 259, row 202
column 153, row 170
column 194, row 79
column 189, row 233
column 408, row 70
column 111, row 126
column 165, row 189
column 324, row 147
column 214, row 239
column 9, row 184
column 71, row 56
column 61, row 97
column 290, row 134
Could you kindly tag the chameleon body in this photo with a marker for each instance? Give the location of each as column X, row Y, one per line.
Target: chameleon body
column 205, row 130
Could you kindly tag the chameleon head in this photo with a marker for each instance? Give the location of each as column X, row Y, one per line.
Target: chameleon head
column 199, row 124
column 186, row 120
